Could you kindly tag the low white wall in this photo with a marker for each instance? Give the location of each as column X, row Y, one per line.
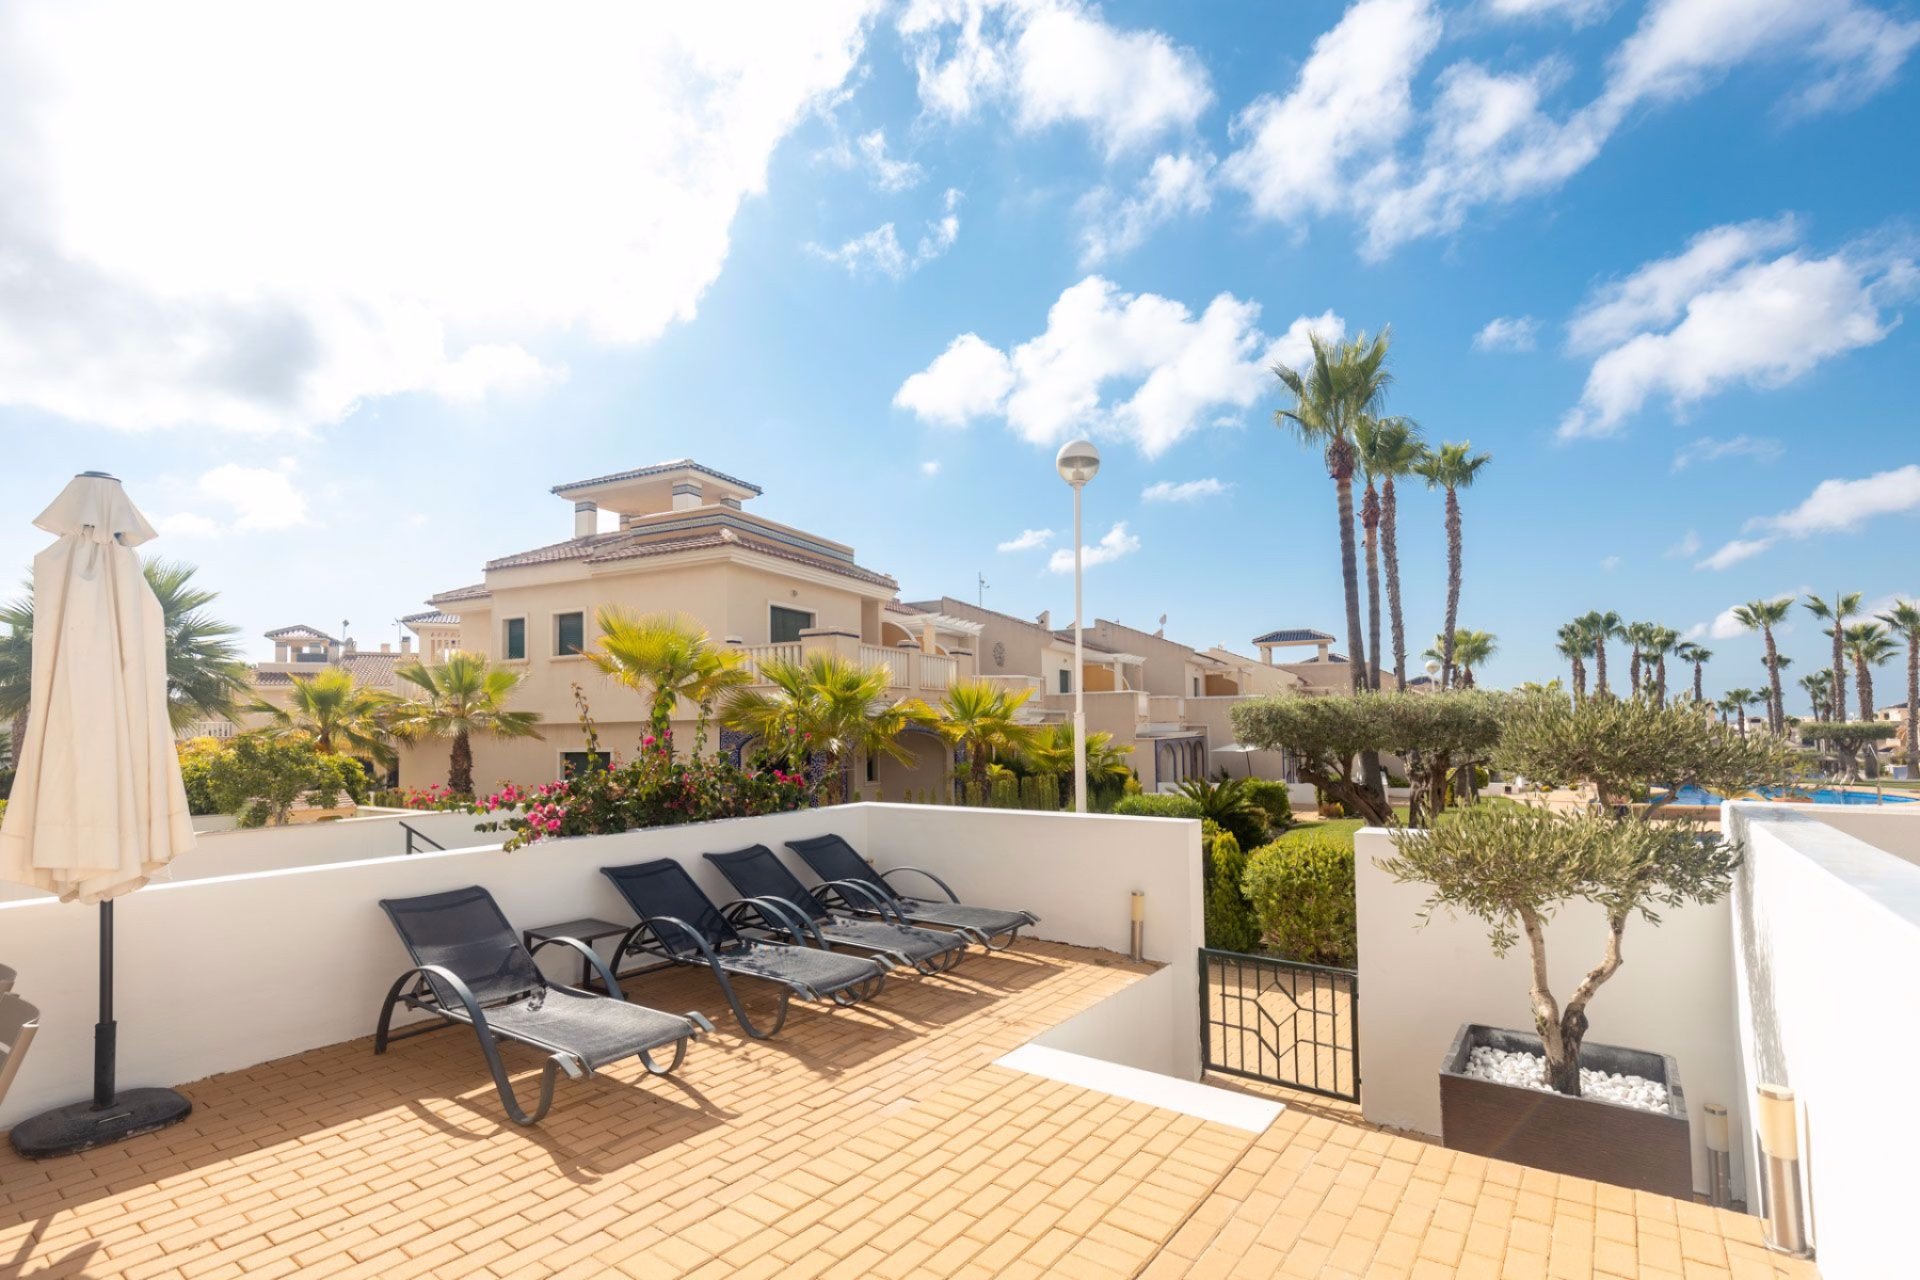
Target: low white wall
column 1892, row 828
column 224, row 972
column 1128, row 1028
column 1673, row 994
column 1827, row 934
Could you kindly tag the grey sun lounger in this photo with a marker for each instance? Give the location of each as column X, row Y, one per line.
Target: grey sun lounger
column 679, row 923
column 470, row 967
column 853, row 883
column 761, row 877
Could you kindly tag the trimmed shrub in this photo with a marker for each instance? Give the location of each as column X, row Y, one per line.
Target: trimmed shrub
column 1229, row 917
column 1272, row 798
column 1302, row 896
column 1147, row 804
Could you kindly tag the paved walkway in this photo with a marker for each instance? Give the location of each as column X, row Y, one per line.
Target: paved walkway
column 872, row 1142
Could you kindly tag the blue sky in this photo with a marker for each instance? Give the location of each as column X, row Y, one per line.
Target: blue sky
column 340, row 342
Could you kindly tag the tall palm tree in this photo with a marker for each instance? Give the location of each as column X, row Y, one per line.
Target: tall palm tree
column 828, row 705
column 205, row 676
column 1470, row 649
column 1688, row 651
column 1636, row 635
column 1763, row 616
column 1344, row 382
column 459, row 697
column 665, row 657
column 1834, row 611
column 1904, row 619
column 1387, row 447
column 1754, row 696
column 1602, row 627
column 1659, row 643
column 1453, row 467
column 1819, row 687
column 1733, row 703
column 982, row 719
column 335, row 712
column 1869, row 645
column 1574, row 645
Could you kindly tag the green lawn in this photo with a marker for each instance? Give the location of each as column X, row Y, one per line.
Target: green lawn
column 1341, row 829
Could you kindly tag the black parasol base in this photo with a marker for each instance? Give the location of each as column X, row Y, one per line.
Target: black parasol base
column 82, row 1126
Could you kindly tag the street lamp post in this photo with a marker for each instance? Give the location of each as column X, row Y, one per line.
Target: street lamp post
column 1078, row 462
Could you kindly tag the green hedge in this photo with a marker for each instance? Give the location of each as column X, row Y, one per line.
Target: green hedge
column 1273, row 798
column 1302, row 895
column 1230, row 924
column 1147, row 804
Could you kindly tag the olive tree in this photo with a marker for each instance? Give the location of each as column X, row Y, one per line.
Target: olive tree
column 1844, row 741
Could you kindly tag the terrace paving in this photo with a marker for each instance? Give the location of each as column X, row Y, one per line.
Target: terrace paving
column 880, row 1141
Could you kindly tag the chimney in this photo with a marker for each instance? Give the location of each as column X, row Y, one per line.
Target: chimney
column 1045, row 620
column 586, row 519
column 406, row 644
column 386, row 648
column 687, row 494
column 1323, row 651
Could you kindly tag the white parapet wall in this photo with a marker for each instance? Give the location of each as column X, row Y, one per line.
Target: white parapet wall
column 1673, row 995
column 1826, row 920
column 226, row 971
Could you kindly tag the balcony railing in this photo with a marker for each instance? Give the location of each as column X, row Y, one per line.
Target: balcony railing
column 897, row 662
column 758, row 654
column 937, row 671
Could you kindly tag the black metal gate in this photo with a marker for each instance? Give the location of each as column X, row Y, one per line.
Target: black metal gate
column 1280, row 1021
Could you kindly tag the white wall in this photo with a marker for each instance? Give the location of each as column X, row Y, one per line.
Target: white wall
column 1827, row 930
column 221, row 973
column 1673, row 994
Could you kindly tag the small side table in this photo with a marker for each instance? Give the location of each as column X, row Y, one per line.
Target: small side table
column 588, row 930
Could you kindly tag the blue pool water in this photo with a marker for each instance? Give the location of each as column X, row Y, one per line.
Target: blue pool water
column 1822, row 795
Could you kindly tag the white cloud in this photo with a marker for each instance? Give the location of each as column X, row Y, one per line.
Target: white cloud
column 187, row 524
column 1185, row 491
column 1182, row 368
column 931, row 467
column 879, row 251
column 1174, row 186
column 1348, row 137
column 1725, row 626
column 889, row 174
column 1686, row 548
column 969, row 380
column 1351, row 100
column 1578, row 12
column 1841, row 506
column 1710, row 449
column 1609, row 563
column 1698, row 631
column 1507, row 333
column 1053, row 62
column 286, row 260
column 1028, row 540
column 1742, row 320
column 1117, row 543
column 1734, row 552
column 254, row 499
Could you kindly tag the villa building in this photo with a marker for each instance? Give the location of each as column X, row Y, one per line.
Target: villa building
column 303, row 650
column 1326, row 671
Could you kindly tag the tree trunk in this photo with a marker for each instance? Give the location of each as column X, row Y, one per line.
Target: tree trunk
column 1453, row 589
column 1775, row 707
column 1340, row 467
column 1579, row 680
column 1547, row 1022
column 1389, row 536
column 1370, row 521
column 1838, row 699
column 460, row 765
column 1913, row 703
column 1660, row 681
column 1633, row 671
column 1864, row 678
column 1699, row 681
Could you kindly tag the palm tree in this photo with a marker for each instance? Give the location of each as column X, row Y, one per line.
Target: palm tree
column 1602, row 627
column 333, row 711
column 1658, row 644
column 826, row 704
column 1470, row 649
column 1869, row 645
column 1819, row 687
column 1834, row 611
column 1574, row 645
column 1453, row 468
column 1904, row 619
column 666, row 657
column 1051, row 752
column 460, row 696
column 1636, row 634
column 1387, row 447
column 1734, row 703
column 1688, row 651
column 1763, row 616
column 982, row 719
column 205, row 676
column 1344, row 382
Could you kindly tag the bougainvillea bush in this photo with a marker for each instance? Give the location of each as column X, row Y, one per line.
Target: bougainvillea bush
column 653, row 789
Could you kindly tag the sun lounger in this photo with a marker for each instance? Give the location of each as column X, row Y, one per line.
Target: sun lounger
column 853, row 883
column 678, row 922
column 470, row 967
column 760, row 876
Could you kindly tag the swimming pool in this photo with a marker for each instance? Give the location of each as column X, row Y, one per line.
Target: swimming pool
column 1820, row 795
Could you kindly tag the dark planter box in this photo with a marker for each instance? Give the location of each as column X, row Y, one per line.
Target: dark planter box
column 1585, row 1137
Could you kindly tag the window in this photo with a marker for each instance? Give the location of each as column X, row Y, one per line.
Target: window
column 1066, row 680
column 1196, row 686
column 515, row 640
column 873, row 767
column 575, row 763
column 569, row 633
column 786, row 624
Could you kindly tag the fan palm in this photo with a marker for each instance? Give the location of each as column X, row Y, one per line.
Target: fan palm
column 982, row 720
column 665, row 657
column 1574, row 645
column 1904, row 619
column 1051, row 752
column 1387, row 447
column 1601, row 627
column 826, row 704
column 333, row 711
column 1763, row 616
column 1819, row 687
column 1453, row 468
column 1869, row 645
column 1688, row 651
column 1834, row 611
column 1470, row 649
column 459, row 697
column 1658, row 643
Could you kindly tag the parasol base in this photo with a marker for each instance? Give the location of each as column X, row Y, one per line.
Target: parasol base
column 81, row 1126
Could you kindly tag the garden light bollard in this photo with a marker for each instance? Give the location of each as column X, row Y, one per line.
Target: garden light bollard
column 1719, row 1156
column 1139, row 926
column 1778, row 1122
